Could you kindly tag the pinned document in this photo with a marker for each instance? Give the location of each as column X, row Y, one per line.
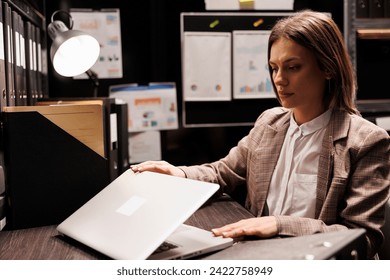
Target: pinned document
column 144, row 146
column 151, row 107
column 206, row 66
column 383, row 122
column 250, row 65
column 249, row 4
column 104, row 25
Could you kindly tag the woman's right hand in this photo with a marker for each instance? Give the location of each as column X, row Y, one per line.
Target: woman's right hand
column 159, row 167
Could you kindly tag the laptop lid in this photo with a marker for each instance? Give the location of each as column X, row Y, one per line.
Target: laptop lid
column 135, row 213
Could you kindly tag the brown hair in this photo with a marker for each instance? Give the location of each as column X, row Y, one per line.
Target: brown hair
column 319, row 33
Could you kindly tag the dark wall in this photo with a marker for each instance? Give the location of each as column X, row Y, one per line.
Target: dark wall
column 151, row 53
column 150, row 42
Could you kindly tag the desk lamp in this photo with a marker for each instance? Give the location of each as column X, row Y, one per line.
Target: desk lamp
column 73, row 52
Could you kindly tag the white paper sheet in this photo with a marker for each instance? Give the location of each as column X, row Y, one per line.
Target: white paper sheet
column 383, row 122
column 152, row 107
column 207, row 66
column 256, row 4
column 251, row 78
column 274, row 4
column 105, row 26
column 144, row 146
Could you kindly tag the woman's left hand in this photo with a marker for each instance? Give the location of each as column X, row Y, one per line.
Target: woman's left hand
column 262, row 226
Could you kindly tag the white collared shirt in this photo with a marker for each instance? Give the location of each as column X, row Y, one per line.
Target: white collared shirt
column 294, row 182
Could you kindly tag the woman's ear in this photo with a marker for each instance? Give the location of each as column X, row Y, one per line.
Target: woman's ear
column 328, row 75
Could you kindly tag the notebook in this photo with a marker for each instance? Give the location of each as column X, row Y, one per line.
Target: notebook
column 137, row 212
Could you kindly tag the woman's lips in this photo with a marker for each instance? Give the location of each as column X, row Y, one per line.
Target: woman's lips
column 285, row 94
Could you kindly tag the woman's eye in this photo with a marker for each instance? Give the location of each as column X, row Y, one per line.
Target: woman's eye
column 294, row 67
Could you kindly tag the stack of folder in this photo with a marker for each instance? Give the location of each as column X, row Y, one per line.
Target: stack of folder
column 22, row 73
column 56, row 154
column 55, row 161
column 115, row 121
column 60, row 153
column 21, row 67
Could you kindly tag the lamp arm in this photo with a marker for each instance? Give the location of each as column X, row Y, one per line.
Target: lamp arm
column 93, row 76
column 67, row 14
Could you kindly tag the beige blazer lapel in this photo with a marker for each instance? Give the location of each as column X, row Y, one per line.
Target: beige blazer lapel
column 267, row 155
column 337, row 128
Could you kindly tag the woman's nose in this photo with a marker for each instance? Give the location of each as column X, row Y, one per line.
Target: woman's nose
column 280, row 78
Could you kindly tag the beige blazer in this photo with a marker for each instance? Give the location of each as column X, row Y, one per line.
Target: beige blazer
column 353, row 179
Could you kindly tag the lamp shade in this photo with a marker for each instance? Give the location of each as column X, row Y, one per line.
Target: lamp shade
column 72, row 52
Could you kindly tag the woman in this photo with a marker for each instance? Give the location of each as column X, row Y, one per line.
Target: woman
column 312, row 165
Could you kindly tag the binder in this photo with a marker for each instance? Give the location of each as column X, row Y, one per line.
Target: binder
column 3, row 103
column 49, row 175
column 123, row 137
column 23, row 61
column 8, row 47
column 30, row 74
column 376, row 8
column 3, row 89
column 18, row 69
column 34, row 61
column 362, row 8
column 38, row 57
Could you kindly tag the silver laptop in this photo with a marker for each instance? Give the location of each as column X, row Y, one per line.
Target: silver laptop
column 139, row 215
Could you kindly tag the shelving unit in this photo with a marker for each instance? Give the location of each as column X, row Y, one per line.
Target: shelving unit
column 372, row 37
column 362, row 28
column 373, row 34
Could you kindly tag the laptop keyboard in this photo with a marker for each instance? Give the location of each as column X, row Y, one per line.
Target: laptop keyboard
column 165, row 246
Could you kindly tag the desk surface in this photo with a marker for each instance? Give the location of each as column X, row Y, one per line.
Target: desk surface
column 45, row 243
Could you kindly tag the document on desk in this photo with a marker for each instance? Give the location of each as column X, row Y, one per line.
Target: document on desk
column 83, row 121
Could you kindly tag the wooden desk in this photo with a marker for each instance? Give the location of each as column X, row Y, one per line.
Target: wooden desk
column 45, row 243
